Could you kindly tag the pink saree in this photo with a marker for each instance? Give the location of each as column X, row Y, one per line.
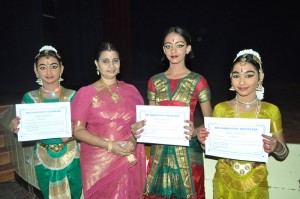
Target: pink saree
column 104, row 174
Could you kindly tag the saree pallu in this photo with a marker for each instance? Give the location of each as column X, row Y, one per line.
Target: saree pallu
column 104, row 174
column 237, row 179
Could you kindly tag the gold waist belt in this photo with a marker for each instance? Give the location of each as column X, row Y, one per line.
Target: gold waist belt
column 242, row 168
column 53, row 147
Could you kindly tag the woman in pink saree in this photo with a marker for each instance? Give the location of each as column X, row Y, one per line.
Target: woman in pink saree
column 112, row 163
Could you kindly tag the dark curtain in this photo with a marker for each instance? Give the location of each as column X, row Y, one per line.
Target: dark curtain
column 21, row 37
column 117, row 29
column 79, row 30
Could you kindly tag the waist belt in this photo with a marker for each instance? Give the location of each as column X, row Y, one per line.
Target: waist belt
column 53, row 147
column 242, row 168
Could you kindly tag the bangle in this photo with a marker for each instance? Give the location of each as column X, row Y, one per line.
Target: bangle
column 203, row 146
column 109, row 147
column 283, row 153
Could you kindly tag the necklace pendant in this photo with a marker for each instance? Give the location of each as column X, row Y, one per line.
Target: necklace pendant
column 248, row 107
column 115, row 97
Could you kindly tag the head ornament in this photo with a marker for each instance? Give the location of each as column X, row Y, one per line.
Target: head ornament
column 48, row 48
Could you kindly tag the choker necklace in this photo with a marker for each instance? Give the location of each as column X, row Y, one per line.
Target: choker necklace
column 61, row 95
column 52, row 93
column 248, row 107
column 237, row 110
column 114, row 95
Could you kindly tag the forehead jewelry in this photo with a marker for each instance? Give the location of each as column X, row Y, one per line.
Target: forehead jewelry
column 114, row 95
column 248, row 104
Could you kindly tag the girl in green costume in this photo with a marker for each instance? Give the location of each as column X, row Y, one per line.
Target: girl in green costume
column 56, row 160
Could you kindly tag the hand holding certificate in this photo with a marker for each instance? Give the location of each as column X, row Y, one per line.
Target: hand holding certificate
column 44, row 120
column 236, row 138
column 165, row 124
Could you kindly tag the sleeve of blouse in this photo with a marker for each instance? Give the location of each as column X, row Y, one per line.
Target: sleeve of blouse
column 218, row 111
column 26, row 99
column 151, row 90
column 138, row 97
column 203, row 91
column 276, row 120
column 80, row 105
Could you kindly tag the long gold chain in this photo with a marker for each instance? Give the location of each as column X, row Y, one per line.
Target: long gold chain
column 61, row 95
column 114, row 95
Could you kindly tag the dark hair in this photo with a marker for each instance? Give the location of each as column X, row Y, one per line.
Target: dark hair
column 47, row 53
column 105, row 46
column 250, row 58
column 186, row 36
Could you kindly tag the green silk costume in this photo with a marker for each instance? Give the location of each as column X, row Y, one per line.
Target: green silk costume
column 173, row 169
column 229, row 184
column 58, row 172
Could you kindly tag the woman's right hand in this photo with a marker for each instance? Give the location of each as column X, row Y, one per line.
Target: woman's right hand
column 119, row 149
column 136, row 128
column 203, row 133
column 14, row 125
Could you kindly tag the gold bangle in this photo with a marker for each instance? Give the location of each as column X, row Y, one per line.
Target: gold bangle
column 109, row 147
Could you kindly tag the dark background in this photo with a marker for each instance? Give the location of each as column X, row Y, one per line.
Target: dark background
column 219, row 29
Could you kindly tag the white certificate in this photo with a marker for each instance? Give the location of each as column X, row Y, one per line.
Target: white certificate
column 236, row 138
column 164, row 124
column 44, row 120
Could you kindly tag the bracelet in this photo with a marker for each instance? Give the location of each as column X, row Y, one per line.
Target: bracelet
column 109, row 147
column 283, row 152
column 203, row 147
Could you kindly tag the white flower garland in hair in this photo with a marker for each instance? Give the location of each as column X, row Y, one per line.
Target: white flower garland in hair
column 48, row 48
column 248, row 51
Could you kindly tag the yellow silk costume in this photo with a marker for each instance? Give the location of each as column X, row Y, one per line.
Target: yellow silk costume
column 227, row 182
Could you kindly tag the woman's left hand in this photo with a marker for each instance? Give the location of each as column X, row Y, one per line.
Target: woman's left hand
column 270, row 143
column 190, row 128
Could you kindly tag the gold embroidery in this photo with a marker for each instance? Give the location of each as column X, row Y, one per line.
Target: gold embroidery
column 181, row 153
column 131, row 158
column 184, row 92
column 59, row 189
column 60, row 162
column 238, row 182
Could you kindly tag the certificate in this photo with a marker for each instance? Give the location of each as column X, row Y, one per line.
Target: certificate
column 44, row 120
column 236, row 138
column 164, row 124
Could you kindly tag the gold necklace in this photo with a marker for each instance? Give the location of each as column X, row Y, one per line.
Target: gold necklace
column 114, row 95
column 237, row 110
column 61, row 95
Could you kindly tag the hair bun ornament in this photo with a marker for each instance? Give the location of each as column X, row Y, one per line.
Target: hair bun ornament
column 48, row 48
column 248, row 51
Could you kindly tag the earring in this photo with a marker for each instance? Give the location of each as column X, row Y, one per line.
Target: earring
column 259, row 86
column 39, row 81
column 60, row 79
column 231, row 88
column 98, row 72
column 260, row 90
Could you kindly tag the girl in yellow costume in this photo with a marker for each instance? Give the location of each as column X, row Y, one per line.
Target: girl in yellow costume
column 236, row 179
